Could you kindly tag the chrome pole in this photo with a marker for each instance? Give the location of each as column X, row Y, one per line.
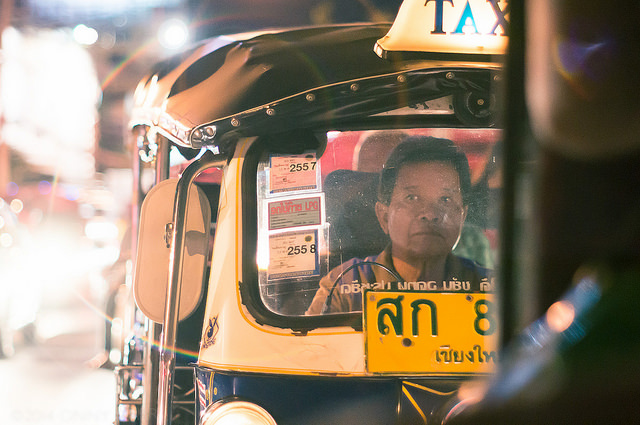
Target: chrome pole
column 150, row 371
column 168, row 341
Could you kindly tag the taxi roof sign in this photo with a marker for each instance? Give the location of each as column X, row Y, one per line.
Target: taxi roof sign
column 478, row 27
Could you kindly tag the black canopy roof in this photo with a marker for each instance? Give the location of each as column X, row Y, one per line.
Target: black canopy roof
column 308, row 77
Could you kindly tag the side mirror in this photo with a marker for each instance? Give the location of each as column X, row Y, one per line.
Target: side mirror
column 151, row 274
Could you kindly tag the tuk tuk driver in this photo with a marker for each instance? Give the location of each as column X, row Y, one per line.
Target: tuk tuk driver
column 422, row 204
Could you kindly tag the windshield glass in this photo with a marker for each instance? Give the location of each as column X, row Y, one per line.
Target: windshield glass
column 412, row 209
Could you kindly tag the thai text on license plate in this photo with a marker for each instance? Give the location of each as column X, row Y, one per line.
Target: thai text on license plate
column 432, row 333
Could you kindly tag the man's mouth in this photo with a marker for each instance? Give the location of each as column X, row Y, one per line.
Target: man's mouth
column 428, row 232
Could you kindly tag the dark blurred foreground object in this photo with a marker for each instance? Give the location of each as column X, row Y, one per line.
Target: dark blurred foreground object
column 579, row 362
column 583, row 94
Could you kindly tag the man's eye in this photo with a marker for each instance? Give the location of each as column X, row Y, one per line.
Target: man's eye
column 446, row 199
column 411, row 197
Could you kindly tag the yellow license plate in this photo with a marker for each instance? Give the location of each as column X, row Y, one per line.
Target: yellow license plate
column 430, row 333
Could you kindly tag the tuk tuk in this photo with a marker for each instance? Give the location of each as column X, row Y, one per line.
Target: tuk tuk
column 267, row 151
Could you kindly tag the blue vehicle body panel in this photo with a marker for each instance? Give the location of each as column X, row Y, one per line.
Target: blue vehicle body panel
column 293, row 399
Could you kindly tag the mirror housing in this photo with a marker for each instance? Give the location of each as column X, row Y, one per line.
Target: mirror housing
column 151, row 275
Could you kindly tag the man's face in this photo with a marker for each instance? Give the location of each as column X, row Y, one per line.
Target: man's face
column 426, row 213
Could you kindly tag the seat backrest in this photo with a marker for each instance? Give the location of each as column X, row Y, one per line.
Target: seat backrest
column 354, row 230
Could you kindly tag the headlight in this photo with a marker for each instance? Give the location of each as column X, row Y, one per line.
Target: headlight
column 236, row 413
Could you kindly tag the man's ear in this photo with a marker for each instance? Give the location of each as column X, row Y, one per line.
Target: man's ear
column 382, row 212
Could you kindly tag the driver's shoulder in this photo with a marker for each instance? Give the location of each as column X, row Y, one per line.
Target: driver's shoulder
column 468, row 267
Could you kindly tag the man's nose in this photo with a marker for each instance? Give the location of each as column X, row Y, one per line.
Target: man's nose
column 427, row 211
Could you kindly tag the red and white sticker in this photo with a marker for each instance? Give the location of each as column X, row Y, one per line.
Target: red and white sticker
column 295, row 212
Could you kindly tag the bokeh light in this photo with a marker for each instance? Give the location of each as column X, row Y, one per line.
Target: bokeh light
column 16, row 205
column 12, row 189
column 85, row 35
column 560, row 316
column 44, row 187
column 173, row 34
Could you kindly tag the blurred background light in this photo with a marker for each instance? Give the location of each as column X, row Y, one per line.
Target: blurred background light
column 44, row 187
column 71, row 193
column 100, row 229
column 16, row 205
column 54, row 9
column 49, row 94
column 173, row 34
column 6, row 240
column 85, row 35
column 12, row 189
